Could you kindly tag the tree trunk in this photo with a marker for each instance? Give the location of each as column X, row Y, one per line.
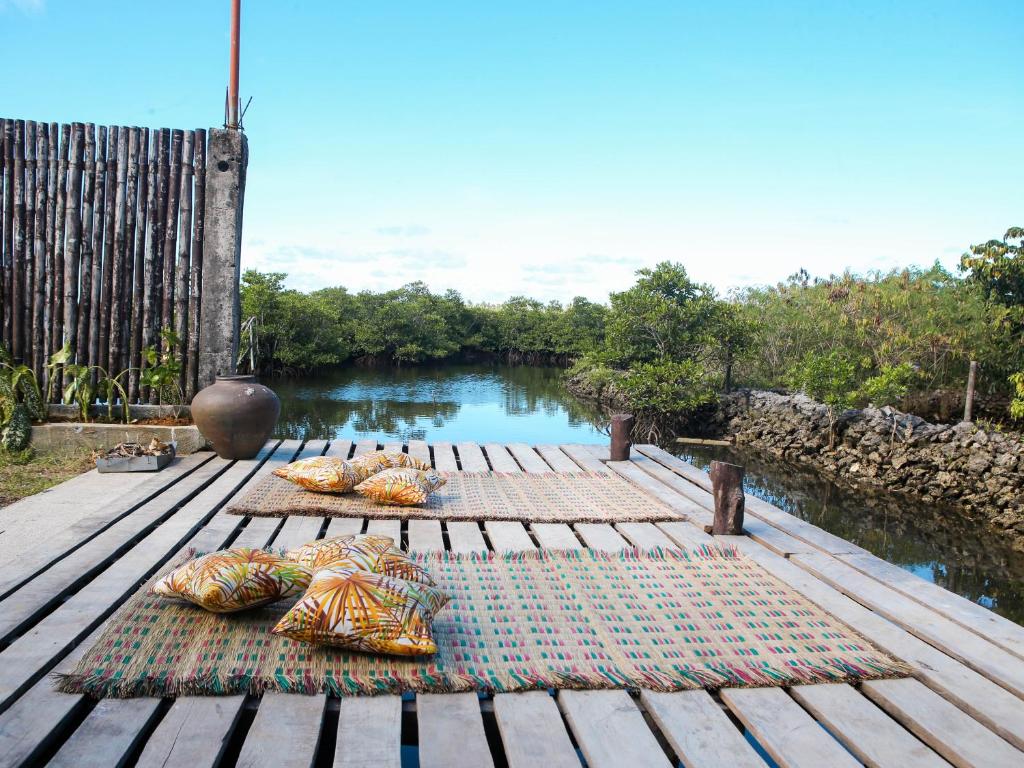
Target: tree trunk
column 74, row 233
column 196, row 280
column 184, row 252
column 622, row 431
column 727, row 487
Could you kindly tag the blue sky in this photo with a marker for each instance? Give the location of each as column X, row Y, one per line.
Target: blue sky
column 552, row 148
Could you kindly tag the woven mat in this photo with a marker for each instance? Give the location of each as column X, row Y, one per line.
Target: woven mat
column 581, row 497
column 663, row 620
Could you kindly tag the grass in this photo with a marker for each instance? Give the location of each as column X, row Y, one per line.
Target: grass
column 27, row 472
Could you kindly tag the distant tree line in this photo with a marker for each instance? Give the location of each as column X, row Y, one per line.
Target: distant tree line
column 669, row 344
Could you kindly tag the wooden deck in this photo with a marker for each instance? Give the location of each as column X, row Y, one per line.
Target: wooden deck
column 964, row 707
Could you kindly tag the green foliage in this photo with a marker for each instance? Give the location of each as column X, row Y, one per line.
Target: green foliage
column 828, row 378
column 998, row 267
column 162, row 373
column 668, row 386
column 889, row 386
column 17, row 430
column 1017, row 403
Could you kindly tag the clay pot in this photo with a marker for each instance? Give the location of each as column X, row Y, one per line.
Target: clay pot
column 236, row 414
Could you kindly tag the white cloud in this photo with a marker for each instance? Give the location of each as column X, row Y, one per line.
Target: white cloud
column 25, row 6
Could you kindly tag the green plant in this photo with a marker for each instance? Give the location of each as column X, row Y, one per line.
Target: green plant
column 830, row 379
column 21, row 403
column 163, row 371
column 888, row 386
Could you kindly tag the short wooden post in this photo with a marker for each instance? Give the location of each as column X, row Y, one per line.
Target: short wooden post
column 622, row 431
column 727, row 487
column 972, row 375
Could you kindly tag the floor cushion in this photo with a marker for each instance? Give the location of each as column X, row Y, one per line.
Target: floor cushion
column 401, row 487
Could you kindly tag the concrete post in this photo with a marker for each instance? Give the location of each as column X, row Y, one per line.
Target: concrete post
column 220, row 313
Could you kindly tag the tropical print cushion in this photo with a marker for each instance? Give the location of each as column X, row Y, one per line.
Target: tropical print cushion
column 367, row 552
column 235, row 579
column 376, row 461
column 401, row 487
column 325, row 474
column 365, row 611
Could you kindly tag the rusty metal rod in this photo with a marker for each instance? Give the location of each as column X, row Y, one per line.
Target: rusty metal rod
column 233, row 99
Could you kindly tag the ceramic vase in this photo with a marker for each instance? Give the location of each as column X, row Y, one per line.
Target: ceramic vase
column 236, row 414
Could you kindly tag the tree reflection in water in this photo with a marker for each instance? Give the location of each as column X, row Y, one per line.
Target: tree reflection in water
column 940, row 544
column 476, row 402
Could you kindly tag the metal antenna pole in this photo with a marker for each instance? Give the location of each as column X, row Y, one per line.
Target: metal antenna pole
column 233, row 99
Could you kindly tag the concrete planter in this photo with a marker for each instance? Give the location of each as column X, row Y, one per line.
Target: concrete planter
column 103, row 437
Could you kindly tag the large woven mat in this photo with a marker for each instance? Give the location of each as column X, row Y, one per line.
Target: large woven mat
column 663, row 620
column 581, row 497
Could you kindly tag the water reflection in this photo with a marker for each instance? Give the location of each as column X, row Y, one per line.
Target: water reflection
column 939, row 544
column 476, row 402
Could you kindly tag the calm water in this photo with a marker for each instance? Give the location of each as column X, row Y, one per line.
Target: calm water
column 479, row 403
column 938, row 544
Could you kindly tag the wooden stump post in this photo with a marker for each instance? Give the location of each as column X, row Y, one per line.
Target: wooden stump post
column 972, row 376
column 727, row 486
column 622, row 430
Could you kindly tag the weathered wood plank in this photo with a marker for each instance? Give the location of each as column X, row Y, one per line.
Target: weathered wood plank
column 369, row 732
column 508, row 536
column 998, row 665
column 601, row 536
column 342, row 526
column 466, row 537
column 285, row 733
column 444, row 458
column 392, row 528
column 644, row 535
column 472, row 458
column 948, row 730
column 394, row 445
column 686, row 535
column 106, row 737
column 532, row 731
column 339, row 449
column 425, row 536
column 500, row 459
column 419, row 449
column 873, row 737
column 700, row 733
column 365, row 446
column 557, row 460
column 528, row 458
column 610, row 730
column 298, row 530
column 555, row 536
column 787, row 733
column 193, row 733
column 584, row 458
column 451, row 731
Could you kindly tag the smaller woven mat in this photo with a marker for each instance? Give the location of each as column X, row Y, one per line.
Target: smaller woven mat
column 581, row 497
column 664, row 620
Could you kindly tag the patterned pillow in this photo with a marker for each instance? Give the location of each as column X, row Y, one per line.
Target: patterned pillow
column 235, row 579
column 401, row 487
column 324, row 474
column 376, row 461
column 365, row 611
column 365, row 552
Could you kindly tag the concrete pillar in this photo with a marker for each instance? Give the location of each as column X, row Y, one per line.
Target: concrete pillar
column 220, row 313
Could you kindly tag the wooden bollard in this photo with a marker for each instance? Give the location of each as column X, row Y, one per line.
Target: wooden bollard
column 622, row 431
column 727, row 487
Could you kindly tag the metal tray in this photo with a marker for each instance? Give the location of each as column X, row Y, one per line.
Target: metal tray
column 135, row 463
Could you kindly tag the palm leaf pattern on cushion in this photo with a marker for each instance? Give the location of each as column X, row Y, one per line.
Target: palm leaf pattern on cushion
column 365, row 611
column 377, row 461
column 353, row 551
column 401, row 487
column 323, row 474
column 235, row 579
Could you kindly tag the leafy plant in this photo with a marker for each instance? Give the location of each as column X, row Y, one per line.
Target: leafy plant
column 163, row 370
column 830, row 379
column 888, row 386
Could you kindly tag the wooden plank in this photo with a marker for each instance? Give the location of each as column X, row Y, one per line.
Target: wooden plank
column 258, row 532
column 106, row 737
column 686, row 535
column 528, row 458
column 786, row 732
column 466, row 537
column 644, row 535
column 444, row 458
column 47, row 588
column 298, row 530
column 425, row 535
column 29, row 723
column 871, row 735
column 193, row 733
column 500, row 459
column 451, row 731
column 508, row 536
column 392, row 528
column 601, row 536
column 557, row 460
column 365, row 446
column 584, row 458
column 341, row 526
column 610, row 730
column 532, row 731
column 555, row 536
column 966, row 613
column 701, row 734
column 472, row 458
column 285, row 733
column 998, row 665
column 984, row 700
column 394, row 445
column 419, row 449
column 949, row 731
column 664, row 485
column 775, row 539
column 369, row 732
column 339, row 449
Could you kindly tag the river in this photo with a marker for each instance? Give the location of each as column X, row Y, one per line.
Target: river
column 495, row 403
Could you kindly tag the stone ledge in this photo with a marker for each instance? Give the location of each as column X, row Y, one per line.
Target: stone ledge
column 97, row 437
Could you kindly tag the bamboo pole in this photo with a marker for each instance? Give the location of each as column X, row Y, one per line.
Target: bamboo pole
column 99, row 215
column 18, row 264
column 181, row 287
column 74, row 235
column 3, row 217
column 116, row 306
column 51, row 215
column 89, row 216
column 109, row 211
column 39, row 251
column 59, row 240
column 8, row 244
column 157, row 209
column 30, row 236
column 131, row 219
column 196, row 282
column 139, row 269
column 171, row 233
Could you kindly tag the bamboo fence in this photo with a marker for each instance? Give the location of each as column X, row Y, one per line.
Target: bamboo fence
column 101, row 246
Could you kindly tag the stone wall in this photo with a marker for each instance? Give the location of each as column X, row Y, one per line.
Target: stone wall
column 978, row 470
